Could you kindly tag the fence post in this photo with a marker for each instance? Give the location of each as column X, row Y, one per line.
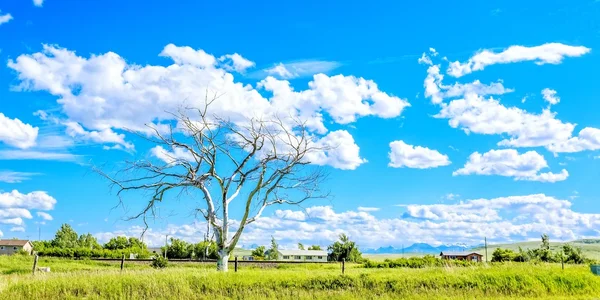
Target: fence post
column 343, row 265
column 35, row 260
column 235, row 264
column 562, row 260
column 122, row 262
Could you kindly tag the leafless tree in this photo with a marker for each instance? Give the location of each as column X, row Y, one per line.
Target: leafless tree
column 260, row 162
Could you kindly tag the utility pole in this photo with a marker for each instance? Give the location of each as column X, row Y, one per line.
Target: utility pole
column 486, row 254
column 166, row 245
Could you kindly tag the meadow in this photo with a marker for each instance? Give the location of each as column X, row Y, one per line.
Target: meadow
column 76, row 279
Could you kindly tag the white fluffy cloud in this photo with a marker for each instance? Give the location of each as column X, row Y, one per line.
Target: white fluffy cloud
column 171, row 157
column 44, row 216
column 501, row 219
column 403, row 155
column 34, row 200
column 236, row 62
column 588, row 139
column 510, row 163
column 474, row 114
column 15, row 133
column 301, row 68
column 101, row 95
column 340, row 151
column 15, row 206
column 550, row 53
column 105, row 136
column 38, row 3
column 550, row 96
column 17, row 229
column 188, row 56
column 5, row 18
column 437, row 91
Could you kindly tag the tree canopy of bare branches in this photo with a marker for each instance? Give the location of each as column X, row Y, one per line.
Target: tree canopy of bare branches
column 256, row 162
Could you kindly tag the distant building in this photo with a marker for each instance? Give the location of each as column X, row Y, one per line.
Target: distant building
column 9, row 247
column 155, row 251
column 303, row 255
column 470, row 256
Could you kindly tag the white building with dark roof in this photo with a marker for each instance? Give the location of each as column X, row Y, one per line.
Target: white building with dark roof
column 303, row 255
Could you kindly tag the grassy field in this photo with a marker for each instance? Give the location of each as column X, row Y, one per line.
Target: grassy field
column 94, row 280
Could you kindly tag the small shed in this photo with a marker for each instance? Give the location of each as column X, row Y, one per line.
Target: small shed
column 9, row 247
column 470, row 256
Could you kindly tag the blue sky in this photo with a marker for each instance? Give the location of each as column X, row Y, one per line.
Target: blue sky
column 494, row 148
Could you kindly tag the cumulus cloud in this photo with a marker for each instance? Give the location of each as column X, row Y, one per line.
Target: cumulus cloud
column 17, row 229
column 44, row 216
column 344, row 98
column 236, row 62
column 5, row 18
column 101, row 95
column 106, row 136
column 550, row 96
column 587, row 139
column 403, row 155
column 503, row 219
column 38, row 3
column 510, row 163
column 437, row 91
column 301, row 68
column 550, row 53
column 474, row 114
column 34, row 200
column 188, row 56
column 15, row 133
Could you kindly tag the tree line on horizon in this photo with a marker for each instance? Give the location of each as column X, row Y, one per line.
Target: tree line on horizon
column 68, row 243
column 567, row 254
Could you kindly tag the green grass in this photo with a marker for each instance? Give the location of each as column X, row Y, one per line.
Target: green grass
column 93, row 280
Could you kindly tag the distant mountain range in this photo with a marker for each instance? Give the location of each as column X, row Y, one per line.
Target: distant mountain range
column 419, row 248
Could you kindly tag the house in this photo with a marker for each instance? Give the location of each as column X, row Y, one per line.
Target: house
column 470, row 256
column 303, row 255
column 8, row 247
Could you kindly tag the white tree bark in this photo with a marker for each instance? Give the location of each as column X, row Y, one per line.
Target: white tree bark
column 223, row 261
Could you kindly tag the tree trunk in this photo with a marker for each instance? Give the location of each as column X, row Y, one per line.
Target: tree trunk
column 223, row 261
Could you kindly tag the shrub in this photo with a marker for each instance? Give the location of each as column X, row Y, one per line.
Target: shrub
column 159, row 262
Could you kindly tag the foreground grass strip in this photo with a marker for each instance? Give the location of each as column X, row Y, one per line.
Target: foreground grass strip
column 504, row 281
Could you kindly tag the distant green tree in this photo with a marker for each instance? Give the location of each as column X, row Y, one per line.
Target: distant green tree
column 117, row 243
column 134, row 242
column 259, row 252
column 502, row 255
column 88, row 241
column 573, row 254
column 205, row 250
column 274, row 250
column 65, row 237
column 300, row 246
column 179, row 249
column 314, row 247
column 344, row 249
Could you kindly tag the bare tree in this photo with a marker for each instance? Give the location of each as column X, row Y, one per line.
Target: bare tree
column 260, row 162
